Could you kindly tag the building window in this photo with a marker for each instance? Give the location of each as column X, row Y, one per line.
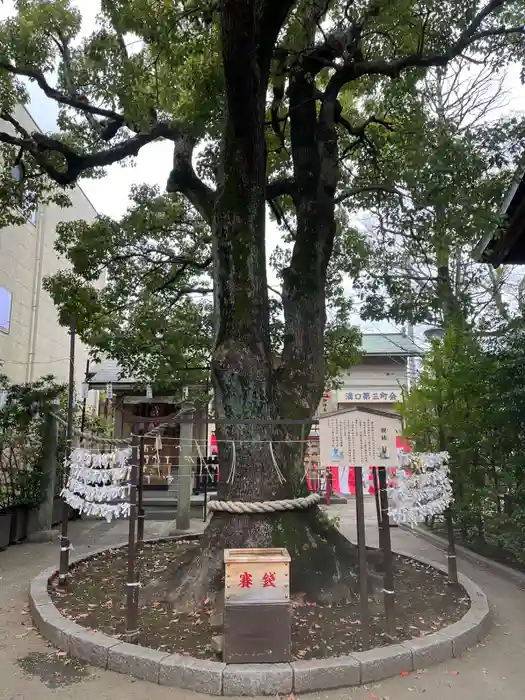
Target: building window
column 6, row 299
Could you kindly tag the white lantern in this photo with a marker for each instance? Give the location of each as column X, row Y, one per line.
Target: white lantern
column 109, row 390
column 85, row 390
column 149, row 392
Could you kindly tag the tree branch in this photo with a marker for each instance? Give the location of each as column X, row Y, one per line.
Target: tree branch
column 39, row 145
column 354, row 69
column 184, row 179
column 280, row 188
column 363, row 190
column 182, row 269
column 76, row 101
column 273, row 17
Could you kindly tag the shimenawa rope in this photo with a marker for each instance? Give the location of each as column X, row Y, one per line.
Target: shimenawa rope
column 239, row 507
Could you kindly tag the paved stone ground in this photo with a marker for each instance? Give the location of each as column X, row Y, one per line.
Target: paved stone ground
column 31, row 669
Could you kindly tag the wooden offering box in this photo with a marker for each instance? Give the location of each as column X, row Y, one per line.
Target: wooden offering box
column 257, row 611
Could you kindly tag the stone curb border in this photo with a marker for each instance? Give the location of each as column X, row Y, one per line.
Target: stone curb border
column 216, row 678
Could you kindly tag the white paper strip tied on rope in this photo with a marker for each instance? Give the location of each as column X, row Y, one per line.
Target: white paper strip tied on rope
column 84, row 457
column 100, row 476
column 109, row 511
column 424, row 492
column 100, row 494
column 97, row 484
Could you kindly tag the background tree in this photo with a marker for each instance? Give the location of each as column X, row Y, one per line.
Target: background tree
column 472, row 391
column 197, row 73
column 450, row 159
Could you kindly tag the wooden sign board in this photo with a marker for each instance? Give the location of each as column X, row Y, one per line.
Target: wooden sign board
column 257, row 575
column 358, row 438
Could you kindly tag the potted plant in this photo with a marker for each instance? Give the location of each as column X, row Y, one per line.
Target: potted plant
column 5, row 516
column 23, row 459
column 6, row 500
column 5, row 529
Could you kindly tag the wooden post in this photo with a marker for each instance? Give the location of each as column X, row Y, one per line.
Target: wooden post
column 65, row 544
column 186, row 461
column 328, row 485
column 387, row 557
column 140, row 492
column 361, row 546
column 378, row 506
column 132, row 585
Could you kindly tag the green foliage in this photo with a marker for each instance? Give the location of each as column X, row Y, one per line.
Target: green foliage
column 342, row 345
column 22, row 435
column 151, row 314
column 447, row 163
column 470, row 400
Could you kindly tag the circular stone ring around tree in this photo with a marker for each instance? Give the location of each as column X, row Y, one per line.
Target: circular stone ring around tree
column 216, row 678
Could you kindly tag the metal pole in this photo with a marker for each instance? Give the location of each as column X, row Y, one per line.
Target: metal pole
column 132, row 585
column 65, row 544
column 361, row 547
column 452, row 562
column 84, row 402
column 140, row 506
column 205, row 507
column 390, row 613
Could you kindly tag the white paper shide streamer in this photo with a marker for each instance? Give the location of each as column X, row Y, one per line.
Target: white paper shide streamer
column 98, row 484
column 423, row 488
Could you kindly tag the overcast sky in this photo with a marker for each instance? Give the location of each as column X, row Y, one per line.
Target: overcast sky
column 110, row 195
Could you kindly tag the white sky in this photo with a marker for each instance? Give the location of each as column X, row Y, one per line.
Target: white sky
column 110, row 195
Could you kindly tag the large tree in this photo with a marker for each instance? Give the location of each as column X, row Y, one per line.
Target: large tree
column 275, row 93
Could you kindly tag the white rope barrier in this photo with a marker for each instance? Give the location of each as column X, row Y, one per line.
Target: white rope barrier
column 241, row 508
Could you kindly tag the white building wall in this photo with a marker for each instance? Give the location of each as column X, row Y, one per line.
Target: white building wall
column 383, row 375
column 375, row 382
column 36, row 344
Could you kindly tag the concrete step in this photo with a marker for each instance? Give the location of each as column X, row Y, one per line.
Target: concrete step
column 161, row 506
column 171, row 514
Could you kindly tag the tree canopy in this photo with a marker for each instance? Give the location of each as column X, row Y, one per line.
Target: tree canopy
column 345, row 77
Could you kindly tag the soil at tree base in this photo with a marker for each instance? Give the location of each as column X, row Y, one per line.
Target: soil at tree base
column 95, row 598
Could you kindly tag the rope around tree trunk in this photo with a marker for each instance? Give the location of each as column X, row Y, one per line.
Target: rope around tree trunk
column 264, row 506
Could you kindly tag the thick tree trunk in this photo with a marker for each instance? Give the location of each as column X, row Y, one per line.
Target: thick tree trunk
column 248, row 386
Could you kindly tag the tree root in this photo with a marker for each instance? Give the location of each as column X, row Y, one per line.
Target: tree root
column 324, row 564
